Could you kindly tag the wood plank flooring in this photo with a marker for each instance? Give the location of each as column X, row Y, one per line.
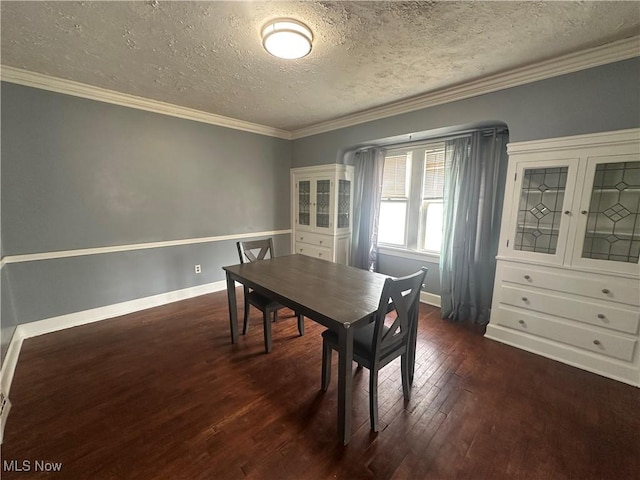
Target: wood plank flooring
column 162, row 394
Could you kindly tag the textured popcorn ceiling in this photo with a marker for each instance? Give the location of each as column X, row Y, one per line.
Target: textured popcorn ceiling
column 208, row 55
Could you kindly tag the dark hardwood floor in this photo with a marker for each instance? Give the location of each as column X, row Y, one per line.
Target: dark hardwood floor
column 162, row 394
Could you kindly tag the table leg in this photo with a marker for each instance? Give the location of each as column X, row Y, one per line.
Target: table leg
column 345, row 382
column 233, row 308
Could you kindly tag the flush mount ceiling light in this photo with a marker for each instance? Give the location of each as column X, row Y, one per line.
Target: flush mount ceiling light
column 287, row 38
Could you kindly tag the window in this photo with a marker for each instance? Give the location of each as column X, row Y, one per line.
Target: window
column 411, row 208
column 395, row 199
column 432, row 208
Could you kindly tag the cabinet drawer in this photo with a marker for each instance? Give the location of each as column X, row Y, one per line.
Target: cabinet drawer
column 314, row 239
column 600, row 314
column 602, row 287
column 313, row 251
column 604, row 343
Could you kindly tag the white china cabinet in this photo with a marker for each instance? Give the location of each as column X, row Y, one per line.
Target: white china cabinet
column 322, row 198
column 568, row 280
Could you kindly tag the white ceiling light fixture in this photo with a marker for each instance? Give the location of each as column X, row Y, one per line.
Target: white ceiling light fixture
column 287, row 38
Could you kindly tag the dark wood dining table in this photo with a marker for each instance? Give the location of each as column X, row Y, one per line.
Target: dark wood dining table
column 340, row 297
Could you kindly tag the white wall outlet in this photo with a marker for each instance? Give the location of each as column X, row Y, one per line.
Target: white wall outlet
column 198, row 269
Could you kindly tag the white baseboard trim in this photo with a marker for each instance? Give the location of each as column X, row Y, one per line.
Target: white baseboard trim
column 10, row 362
column 62, row 322
column 430, row 299
column 49, row 325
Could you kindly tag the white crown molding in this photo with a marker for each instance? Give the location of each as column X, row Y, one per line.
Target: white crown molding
column 573, row 62
column 30, row 257
column 631, row 135
column 69, row 87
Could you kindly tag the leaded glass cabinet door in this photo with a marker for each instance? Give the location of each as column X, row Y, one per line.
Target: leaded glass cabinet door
column 542, row 209
column 344, row 204
column 608, row 227
column 323, row 203
column 303, row 214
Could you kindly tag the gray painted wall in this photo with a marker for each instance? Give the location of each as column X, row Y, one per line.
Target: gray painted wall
column 398, row 267
column 93, row 281
column 79, row 174
column 595, row 100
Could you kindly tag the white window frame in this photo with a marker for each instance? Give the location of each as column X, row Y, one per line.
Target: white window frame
column 416, row 206
column 397, row 199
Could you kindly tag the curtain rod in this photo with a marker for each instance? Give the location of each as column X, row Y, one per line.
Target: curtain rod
column 441, row 138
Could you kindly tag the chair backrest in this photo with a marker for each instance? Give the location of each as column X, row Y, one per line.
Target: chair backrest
column 255, row 250
column 402, row 296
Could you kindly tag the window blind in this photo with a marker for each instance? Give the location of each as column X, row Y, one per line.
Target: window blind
column 433, row 176
column 394, row 177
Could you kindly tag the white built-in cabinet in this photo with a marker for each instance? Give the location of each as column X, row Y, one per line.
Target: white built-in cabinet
column 322, row 202
column 567, row 281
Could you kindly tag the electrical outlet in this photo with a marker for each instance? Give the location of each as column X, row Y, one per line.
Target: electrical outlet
column 198, row 269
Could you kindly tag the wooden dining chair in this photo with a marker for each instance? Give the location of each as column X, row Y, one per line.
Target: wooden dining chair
column 377, row 344
column 254, row 251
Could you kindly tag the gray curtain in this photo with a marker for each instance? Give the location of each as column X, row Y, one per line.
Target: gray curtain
column 369, row 165
column 473, row 195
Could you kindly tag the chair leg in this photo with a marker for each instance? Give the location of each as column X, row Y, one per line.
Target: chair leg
column 406, row 376
column 373, row 398
column 326, row 365
column 301, row 324
column 245, row 325
column 267, row 330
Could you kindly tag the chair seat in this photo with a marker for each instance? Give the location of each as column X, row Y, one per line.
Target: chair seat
column 261, row 302
column 362, row 340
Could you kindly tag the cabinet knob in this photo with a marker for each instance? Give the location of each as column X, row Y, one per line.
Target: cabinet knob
column 525, row 299
column 521, row 322
column 567, row 212
column 319, row 254
column 596, row 342
column 320, row 242
column 601, row 316
column 527, row 277
column 606, row 291
column 301, row 238
column 584, row 212
column 300, row 249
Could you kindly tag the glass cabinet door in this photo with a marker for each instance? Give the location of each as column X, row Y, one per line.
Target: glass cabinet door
column 543, row 195
column 323, row 203
column 344, row 203
column 304, row 202
column 609, row 224
column 540, row 209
